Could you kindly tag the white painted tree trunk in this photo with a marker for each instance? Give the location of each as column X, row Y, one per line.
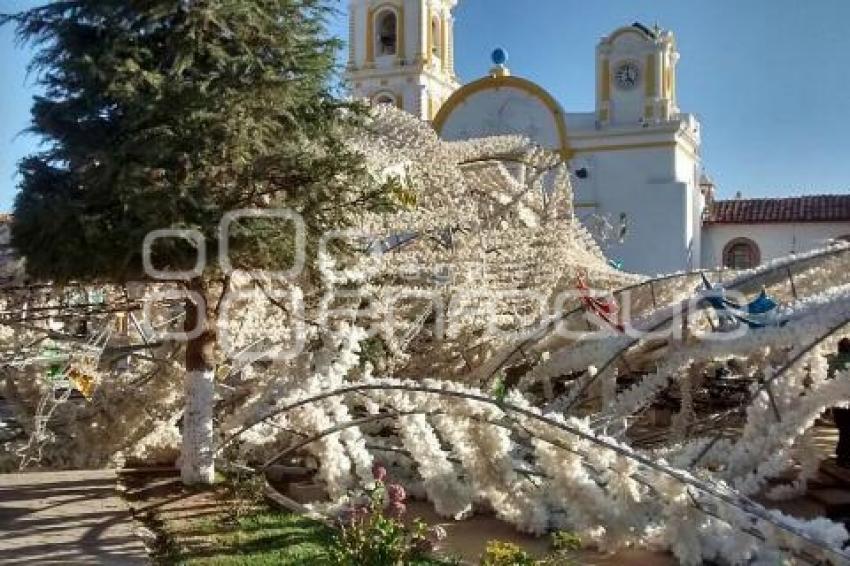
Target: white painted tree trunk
column 197, row 464
column 197, row 457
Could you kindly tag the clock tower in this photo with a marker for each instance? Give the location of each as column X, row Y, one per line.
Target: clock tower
column 636, row 77
column 401, row 52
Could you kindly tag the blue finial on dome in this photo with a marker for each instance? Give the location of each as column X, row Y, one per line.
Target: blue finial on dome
column 499, row 56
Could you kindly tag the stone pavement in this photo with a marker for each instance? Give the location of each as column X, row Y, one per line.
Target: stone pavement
column 66, row 518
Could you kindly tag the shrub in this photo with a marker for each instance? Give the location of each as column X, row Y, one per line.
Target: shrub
column 500, row 553
column 566, row 541
column 372, row 532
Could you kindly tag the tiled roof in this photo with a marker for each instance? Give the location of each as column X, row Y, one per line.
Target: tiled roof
column 815, row 208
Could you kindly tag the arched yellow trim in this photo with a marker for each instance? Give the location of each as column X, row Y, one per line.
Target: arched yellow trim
column 489, row 83
column 624, row 30
column 370, row 37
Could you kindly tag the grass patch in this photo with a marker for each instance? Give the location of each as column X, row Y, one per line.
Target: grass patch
column 263, row 538
column 228, row 524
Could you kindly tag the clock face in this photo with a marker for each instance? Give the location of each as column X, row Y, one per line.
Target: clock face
column 627, row 75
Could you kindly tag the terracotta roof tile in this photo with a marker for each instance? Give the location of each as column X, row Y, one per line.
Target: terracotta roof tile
column 814, row 208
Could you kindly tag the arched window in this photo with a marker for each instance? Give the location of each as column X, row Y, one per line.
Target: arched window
column 387, row 33
column 385, row 98
column 436, row 36
column 741, row 253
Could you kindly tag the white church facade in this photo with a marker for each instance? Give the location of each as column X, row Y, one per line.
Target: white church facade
column 635, row 157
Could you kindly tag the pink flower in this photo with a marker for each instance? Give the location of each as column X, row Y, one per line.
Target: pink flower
column 396, row 509
column 396, row 493
column 379, row 472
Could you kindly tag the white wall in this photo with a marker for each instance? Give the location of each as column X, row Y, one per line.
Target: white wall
column 774, row 240
column 657, row 194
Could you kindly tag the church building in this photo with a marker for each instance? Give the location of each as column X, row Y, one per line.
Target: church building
column 639, row 180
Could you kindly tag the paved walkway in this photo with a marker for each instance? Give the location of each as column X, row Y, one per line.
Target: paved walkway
column 66, row 518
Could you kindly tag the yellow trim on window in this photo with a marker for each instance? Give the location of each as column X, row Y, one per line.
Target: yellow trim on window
column 398, row 9
column 370, row 37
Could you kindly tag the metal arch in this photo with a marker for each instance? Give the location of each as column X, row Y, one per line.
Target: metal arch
column 734, row 284
column 742, row 503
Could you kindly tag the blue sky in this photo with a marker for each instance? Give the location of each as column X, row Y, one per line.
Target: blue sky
column 769, row 79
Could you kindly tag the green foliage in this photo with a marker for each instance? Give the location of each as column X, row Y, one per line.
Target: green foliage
column 566, row 541
column 565, row 545
column 500, row 389
column 244, row 492
column 378, row 540
column 500, row 553
column 373, row 351
column 167, row 114
column 402, row 194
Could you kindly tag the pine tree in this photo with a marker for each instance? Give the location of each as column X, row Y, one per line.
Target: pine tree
column 167, row 114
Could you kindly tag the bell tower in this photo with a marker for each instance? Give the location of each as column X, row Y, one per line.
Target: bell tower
column 636, row 77
column 401, row 52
